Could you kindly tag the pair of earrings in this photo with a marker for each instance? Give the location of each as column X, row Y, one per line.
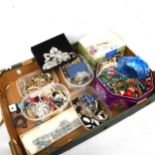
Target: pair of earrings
column 89, row 109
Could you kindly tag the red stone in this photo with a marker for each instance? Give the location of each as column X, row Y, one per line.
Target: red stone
column 128, row 93
column 32, row 100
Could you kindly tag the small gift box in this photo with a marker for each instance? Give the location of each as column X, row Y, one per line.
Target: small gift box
column 94, row 46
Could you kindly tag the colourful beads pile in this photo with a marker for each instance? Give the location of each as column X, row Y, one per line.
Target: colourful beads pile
column 122, row 85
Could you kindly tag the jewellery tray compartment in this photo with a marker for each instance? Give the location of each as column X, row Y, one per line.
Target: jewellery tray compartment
column 9, row 94
column 90, row 91
column 21, row 81
column 72, row 86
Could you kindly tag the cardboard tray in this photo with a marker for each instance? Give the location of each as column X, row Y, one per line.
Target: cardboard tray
column 9, row 94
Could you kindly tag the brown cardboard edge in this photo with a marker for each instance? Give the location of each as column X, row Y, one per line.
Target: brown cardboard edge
column 95, row 131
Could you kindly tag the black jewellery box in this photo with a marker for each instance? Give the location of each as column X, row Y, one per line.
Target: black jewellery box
column 49, row 110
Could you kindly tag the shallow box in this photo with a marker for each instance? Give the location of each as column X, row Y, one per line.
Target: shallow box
column 96, row 46
column 9, row 94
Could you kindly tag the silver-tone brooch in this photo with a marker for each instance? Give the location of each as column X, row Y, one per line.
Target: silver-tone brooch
column 55, row 57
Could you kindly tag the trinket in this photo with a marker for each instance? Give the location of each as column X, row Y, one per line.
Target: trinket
column 18, row 109
column 58, row 98
column 55, row 57
column 90, row 111
column 12, row 108
column 20, row 121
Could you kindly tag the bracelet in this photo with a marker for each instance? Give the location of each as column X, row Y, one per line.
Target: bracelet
column 20, row 121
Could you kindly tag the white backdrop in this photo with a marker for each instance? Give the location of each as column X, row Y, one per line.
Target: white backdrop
column 24, row 23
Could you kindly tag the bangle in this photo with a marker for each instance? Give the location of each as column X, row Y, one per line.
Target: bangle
column 20, row 121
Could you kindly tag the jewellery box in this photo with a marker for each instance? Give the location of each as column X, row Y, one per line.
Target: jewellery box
column 117, row 91
column 73, row 124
